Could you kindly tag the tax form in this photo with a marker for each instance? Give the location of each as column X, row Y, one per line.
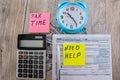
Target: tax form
column 98, row 58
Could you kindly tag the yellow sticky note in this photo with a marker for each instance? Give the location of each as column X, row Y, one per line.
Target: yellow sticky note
column 74, row 54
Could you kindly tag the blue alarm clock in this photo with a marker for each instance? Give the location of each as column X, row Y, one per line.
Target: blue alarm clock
column 72, row 16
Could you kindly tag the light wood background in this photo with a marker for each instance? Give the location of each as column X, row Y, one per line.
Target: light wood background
column 104, row 18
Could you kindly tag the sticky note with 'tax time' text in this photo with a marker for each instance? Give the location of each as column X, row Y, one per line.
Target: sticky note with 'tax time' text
column 74, row 54
column 39, row 23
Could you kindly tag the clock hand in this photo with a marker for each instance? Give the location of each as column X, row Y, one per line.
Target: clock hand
column 72, row 18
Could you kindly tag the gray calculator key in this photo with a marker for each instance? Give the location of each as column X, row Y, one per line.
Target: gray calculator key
column 35, row 73
column 30, row 57
column 35, row 57
column 26, row 52
column 20, row 66
column 20, row 61
column 40, row 57
column 40, row 62
column 19, row 75
column 25, row 66
column 40, row 73
column 30, row 71
column 25, row 61
column 30, row 66
column 25, row 56
column 40, row 66
column 36, row 53
column 35, row 66
column 35, row 62
column 30, row 52
column 25, row 70
column 20, row 70
column 30, row 75
column 30, row 61
column 40, row 53
column 25, row 75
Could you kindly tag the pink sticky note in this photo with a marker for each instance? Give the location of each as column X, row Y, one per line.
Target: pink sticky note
column 39, row 23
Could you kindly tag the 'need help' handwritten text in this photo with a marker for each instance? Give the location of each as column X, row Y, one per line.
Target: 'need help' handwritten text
column 73, row 54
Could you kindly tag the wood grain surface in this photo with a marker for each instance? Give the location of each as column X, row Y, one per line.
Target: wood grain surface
column 104, row 18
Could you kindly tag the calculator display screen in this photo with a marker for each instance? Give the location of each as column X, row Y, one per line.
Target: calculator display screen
column 31, row 43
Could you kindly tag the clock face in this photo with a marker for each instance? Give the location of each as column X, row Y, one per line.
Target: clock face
column 72, row 16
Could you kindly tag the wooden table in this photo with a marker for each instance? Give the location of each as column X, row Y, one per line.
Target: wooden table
column 104, row 18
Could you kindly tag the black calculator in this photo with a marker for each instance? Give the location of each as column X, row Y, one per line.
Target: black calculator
column 31, row 56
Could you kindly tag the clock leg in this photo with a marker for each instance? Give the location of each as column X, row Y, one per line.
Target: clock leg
column 84, row 31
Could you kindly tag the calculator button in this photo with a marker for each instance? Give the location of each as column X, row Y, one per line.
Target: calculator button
column 19, row 66
column 40, row 53
column 40, row 62
column 30, row 66
column 25, row 52
column 30, row 75
column 31, row 57
column 19, row 75
column 35, row 53
column 35, row 62
column 40, row 66
column 35, row 73
column 20, row 70
column 35, row 57
column 25, row 56
column 30, row 71
column 30, row 52
column 20, row 61
column 25, row 61
column 25, row 70
column 36, row 66
column 25, row 75
column 24, row 66
column 20, row 56
column 30, row 61
column 40, row 73
column 20, row 52
column 40, row 57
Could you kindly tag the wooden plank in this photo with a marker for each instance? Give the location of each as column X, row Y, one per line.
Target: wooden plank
column 13, row 17
column 113, row 27
column 96, row 11
column 0, row 38
column 3, row 10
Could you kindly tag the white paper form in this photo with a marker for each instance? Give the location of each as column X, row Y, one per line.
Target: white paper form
column 98, row 58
